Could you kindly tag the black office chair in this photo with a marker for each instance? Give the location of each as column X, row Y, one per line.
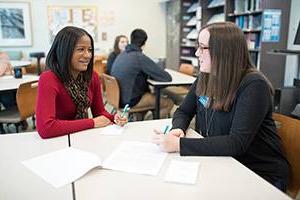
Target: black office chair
column 38, row 56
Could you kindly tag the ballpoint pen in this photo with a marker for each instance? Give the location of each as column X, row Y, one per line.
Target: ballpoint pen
column 126, row 109
column 166, row 129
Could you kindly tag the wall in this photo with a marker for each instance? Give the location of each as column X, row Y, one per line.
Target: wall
column 128, row 15
column 291, row 61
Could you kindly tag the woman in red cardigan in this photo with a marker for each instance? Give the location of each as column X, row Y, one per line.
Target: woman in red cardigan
column 70, row 87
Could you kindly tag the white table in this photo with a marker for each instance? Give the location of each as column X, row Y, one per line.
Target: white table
column 178, row 79
column 20, row 63
column 219, row 177
column 17, row 182
column 9, row 82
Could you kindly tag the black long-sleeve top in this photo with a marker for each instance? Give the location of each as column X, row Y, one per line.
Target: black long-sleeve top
column 110, row 61
column 247, row 132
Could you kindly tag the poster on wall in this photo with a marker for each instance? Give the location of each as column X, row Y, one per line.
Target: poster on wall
column 15, row 29
column 271, row 25
column 81, row 16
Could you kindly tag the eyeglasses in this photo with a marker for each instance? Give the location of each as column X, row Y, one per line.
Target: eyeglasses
column 201, row 48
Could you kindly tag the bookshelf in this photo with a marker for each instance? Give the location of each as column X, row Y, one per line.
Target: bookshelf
column 190, row 26
column 248, row 15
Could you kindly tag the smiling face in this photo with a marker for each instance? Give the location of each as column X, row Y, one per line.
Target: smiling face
column 82, row 55
column 203, row 51
column 123, row 43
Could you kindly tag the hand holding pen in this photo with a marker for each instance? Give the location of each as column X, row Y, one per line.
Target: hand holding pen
column 167, row 141
column 122, row 120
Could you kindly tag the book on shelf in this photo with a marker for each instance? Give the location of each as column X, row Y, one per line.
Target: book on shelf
column 253, row 40
column 252, row 22
column 243, row 6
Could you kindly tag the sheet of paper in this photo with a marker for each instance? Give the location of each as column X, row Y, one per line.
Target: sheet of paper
column 64, row 166
column 112, row 130
column 136, row 157
column 182, row 172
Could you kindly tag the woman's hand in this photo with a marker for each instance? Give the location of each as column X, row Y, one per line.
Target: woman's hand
column 101, row 121
column 177, row 132
column 121, row 121
column 168, row 142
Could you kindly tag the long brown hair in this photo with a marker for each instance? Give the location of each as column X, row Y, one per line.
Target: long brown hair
column 230, row 62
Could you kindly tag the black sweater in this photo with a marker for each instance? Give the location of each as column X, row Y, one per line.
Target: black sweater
column 132, row 68
column 110, row 61
column 247, row 132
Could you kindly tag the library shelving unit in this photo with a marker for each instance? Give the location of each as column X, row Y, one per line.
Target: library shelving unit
column 190, row 26
column 212, row 11
column 248, row 15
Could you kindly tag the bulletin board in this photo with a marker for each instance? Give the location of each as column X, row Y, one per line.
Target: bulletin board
column 81, row 16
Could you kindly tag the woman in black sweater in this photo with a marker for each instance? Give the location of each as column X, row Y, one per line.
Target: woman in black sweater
column 120, row 44
column 232, row 102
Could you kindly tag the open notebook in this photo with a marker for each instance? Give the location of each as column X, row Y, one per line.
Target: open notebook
column 67, row 165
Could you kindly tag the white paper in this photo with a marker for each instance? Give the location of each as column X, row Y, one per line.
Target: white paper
column 64, row 166
column 182, row 172
column 136, row 157
column 112, row 130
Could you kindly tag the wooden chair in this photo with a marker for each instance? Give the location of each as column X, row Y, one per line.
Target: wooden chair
column 26, row 101
column 289, row 132
column 177, row 93
column 100, row 68
column 112, row 94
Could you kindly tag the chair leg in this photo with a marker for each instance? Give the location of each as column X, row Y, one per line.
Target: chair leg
column 33, row 122
column 2, row 131
column 17, row 127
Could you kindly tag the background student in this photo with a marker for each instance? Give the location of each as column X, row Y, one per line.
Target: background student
column 132, row 68
column 70, row 87
column 120, row 44
column 232, row 102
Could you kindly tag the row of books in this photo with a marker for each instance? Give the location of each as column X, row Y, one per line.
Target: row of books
column 242, row 6
column 251, row 22
column 253, row 40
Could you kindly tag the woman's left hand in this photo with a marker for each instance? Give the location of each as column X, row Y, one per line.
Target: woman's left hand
column 121, row 121
column 166, row 142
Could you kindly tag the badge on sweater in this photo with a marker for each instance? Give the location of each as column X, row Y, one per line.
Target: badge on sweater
column 203, row 100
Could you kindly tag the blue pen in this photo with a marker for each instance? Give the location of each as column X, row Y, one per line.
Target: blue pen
column 126, row 109
column 166, row 129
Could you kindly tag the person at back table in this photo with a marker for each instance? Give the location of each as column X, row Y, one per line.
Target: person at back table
column 69, row 87
column 120, row 44
column 232, row 102
column 7, row 97
column 132, row 68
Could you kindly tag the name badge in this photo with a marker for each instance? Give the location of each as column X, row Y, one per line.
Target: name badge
column 203, row 100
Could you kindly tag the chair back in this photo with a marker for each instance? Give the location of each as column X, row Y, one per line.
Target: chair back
column 26, row 99
column 112, row 90
column 289, row 132
column 186, row 69
column 99, row 65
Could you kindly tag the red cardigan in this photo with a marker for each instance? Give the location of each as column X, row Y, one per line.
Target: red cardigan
column 55, row 110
